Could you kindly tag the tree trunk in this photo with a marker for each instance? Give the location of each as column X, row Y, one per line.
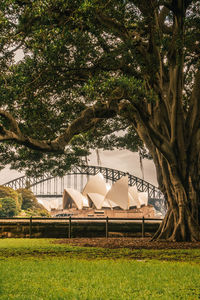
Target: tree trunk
column 178, row 225
column 182, row 220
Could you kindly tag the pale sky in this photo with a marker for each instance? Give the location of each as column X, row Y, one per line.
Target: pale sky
column 122, row 160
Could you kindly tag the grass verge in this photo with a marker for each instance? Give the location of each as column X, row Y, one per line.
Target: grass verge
column 41, row 269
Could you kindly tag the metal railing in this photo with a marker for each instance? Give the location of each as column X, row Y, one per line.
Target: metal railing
column 70, row 220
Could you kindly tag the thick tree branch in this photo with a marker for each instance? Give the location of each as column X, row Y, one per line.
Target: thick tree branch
column 13, row 123
column 116, row 27
column 122, row 32
column 88, row 118
column 174, row 5
column 193, row 119
column 145, row 127
column 175, row 92
column 162, row 16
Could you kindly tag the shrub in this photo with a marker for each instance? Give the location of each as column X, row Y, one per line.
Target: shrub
column 37, row 212
column 7, row 192
column 28, row 198
column 31, row 205
column 8, row 207
column 20, row 199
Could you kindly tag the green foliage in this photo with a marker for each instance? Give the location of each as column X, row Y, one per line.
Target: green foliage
column 28, row 199
column 8, row 207
column 31, row 205
column 37, row 212
column 52, row 84
column 7, row 192
column 11, row 203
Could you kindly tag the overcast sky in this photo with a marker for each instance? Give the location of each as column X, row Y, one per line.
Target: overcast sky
column 122, row 160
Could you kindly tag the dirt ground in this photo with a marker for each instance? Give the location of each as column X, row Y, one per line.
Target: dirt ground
column 130, row 243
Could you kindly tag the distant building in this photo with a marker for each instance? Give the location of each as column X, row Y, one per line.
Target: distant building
column 99, row 195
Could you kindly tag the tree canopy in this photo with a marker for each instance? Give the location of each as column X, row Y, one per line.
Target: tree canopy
column 93, row 68
column 49, row 96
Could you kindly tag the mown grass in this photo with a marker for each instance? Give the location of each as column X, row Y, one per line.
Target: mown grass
column 40, row 269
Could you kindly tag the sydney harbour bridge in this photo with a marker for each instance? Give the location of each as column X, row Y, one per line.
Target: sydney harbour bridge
column 50, row 187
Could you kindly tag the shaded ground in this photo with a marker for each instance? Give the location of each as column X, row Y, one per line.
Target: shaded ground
column 98, row 249
column 130, row 243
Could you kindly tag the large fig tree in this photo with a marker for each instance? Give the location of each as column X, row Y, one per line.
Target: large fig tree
column 91, row 68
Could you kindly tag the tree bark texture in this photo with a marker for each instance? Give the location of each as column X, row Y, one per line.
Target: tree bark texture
column 171, row 132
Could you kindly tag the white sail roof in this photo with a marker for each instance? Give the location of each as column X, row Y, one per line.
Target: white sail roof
column 75, row 195
column 119, row 193
column 50, row 204
column 131, row 202
column 100, row 201
column 97, row 199
column 108, row 186
column 143, row 198
column 106, row 204
column 96, row 190
column 85, row 201
column 95, row 184
column 112, row 203
column 134, row 194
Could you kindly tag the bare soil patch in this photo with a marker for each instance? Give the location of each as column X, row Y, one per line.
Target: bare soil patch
column 130, row 243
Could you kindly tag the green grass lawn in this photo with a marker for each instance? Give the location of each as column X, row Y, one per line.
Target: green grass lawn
column 40, row 269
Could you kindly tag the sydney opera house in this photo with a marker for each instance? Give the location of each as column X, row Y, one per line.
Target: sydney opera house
column 99, row 195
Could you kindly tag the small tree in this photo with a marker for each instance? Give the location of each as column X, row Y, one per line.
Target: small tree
column 31, row 205
column 7, row 192
column 8, row 207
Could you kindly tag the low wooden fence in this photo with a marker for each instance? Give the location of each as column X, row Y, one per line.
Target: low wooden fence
column 77, row 227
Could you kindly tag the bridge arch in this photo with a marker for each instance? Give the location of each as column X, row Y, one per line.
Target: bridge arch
column 48, row 186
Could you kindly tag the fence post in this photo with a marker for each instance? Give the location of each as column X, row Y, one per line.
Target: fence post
column 106, row 227
column 69, row 228
column 143, row 231
column 30, row 228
